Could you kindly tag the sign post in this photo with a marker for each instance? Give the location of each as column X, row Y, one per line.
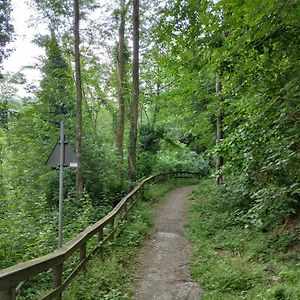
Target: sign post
column 61, row 184
column 61, row 156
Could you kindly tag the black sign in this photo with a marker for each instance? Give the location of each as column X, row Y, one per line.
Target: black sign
column 70, row 159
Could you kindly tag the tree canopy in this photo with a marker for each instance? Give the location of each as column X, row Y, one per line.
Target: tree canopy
column 178, row 52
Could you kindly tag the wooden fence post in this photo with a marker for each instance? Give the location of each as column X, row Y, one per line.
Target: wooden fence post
column 82, row 251
column 57, row 278
column 125, row 213
column 112, row 224
column 132, row 203
column 9, row 294
column 141, row 192
column 100, row 240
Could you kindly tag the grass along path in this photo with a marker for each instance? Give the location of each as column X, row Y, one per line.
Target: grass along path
column 113, row 277
column 232, row 262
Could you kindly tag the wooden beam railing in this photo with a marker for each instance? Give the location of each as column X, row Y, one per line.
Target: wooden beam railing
column 12, row 278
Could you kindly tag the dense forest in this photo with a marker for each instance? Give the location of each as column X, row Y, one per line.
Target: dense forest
column 201, row 86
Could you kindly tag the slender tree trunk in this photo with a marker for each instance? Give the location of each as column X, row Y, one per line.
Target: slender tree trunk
column 156, row 109
column 79, row 180
column 121, row 88
column 219, row 135
column 135, row 94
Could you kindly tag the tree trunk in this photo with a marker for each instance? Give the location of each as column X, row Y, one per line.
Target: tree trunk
column 79, row 180
column 135, row 94
column 219, row 135
column 121, row 88
column 156, row 109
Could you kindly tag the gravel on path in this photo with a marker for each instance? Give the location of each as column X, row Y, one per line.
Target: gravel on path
column 163, row 273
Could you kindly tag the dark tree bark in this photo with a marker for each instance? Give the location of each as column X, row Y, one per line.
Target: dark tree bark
column 79, row 180
column 135, row 94
column 121, row 87
column 219, row 134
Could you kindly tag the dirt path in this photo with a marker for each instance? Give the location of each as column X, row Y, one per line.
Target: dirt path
column 163, row 272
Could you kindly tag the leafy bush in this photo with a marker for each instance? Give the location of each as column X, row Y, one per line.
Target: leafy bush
column 262, row 206
column 235, row 262
column 180, row 159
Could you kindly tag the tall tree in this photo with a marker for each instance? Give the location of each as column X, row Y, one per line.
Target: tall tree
column 35, row 127
column 6, row 28
column 134, row 93
column 57, row 84
column 121, row 83
column 79, row 180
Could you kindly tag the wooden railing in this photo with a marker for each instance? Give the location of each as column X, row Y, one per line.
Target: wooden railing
column 12, row 278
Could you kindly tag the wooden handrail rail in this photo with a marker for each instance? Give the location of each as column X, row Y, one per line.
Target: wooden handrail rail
column 11, row 277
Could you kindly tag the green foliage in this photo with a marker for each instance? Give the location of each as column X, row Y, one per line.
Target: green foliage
column 180, row 158
column 232, row 261
column 253, row 47
column 150, row 137
column 262, row 136
column 161, row 152
column 111, row 278
column 29, row 190
column 6, row 28
column 255, row 53
column 29, row 241
column 9, row 103
column 57, row 87
column 149, row 145
column 36, row 229
column 266, row 207
column 34, row 132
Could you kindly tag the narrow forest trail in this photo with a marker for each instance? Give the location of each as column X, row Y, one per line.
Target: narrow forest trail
column 163, row 272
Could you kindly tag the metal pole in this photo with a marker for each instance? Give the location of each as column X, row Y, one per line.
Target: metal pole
column 61, row 184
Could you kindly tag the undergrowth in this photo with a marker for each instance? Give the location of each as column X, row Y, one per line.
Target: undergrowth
column 232, row 261
column 108, row 277
column 112, row 277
